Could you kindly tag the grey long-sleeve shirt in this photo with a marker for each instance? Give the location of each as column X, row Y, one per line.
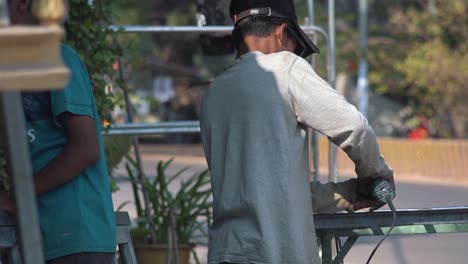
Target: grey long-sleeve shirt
column 253, row 120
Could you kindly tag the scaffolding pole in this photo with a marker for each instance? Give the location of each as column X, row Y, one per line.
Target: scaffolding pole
column 313, row 135
column 332, row 157
column 363, row 83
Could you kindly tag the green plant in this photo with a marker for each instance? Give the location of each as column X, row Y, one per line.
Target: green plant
column 419, row 57
column 88, row 32
column 115, row 148
column 190, row 204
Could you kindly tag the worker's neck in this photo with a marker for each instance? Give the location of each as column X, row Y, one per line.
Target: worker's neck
column 265, row 45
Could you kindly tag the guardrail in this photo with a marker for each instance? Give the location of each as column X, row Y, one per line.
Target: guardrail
column 445, row 160
column 145, row 129
column 195, row 29
column 429, row 159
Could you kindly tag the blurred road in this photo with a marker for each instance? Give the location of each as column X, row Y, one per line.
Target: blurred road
column 416, row 249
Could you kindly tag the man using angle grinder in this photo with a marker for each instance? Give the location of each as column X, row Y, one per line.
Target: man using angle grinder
column 254, row 121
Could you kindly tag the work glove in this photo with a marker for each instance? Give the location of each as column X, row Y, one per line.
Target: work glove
column 351, row 195
column 363, row 198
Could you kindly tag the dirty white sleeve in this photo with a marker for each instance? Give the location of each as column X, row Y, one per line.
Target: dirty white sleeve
column 322, row 108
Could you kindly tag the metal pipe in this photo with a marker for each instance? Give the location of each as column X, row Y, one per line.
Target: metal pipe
column 136, row 148
column 155, row 125
column 332, row 44
column 195, row 29
column 332, row 157
column 310, row 11
column 4, row 17
column 406, row 217
column 141, row 129
column 152, row 131
column 363, row 82
column 313, row 135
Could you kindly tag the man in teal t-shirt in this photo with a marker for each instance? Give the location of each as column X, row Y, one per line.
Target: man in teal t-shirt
column 76, row 214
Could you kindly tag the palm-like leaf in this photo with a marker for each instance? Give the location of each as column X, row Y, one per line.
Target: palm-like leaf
column 192, row 201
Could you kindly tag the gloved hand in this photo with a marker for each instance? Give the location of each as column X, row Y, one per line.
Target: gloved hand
column 350, row 195
column 363, row 198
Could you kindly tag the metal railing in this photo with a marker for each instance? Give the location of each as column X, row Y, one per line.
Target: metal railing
column 193, row 126
column 408, row 222
column 184, row 127
column 145, row 129
column 195, row 29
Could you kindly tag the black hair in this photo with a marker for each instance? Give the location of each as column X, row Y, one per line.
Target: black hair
column 258, row 26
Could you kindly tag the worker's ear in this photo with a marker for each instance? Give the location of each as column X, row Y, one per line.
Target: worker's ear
column 280, row 34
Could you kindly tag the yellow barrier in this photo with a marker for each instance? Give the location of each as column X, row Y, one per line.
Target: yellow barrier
column 441, row 160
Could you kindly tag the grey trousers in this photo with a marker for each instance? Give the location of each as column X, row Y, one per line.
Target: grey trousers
column 86, row 258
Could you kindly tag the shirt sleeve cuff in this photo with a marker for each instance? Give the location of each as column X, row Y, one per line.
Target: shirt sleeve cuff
column 76, row 109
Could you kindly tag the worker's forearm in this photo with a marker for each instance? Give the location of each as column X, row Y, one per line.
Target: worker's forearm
column 68, row 164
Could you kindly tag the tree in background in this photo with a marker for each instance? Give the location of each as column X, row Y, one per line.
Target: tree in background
column 421, row 57
column 417, row 49
column 88, row 32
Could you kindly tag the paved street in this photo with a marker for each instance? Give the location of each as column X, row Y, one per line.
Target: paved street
column 433, row 249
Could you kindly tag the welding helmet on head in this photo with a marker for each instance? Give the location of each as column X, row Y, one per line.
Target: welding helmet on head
column 243, row 9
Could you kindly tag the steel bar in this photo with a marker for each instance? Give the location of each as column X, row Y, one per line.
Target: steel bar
column 315, row 154
column 345, row 249
column 332, row 154
column 426, row 229
column 451, row 215
column 195, row 29
column 20, row 173
column 136, row 147
column 313, row 135
column 142, row 129
column 152, row 131
column 409, row 222
column 331, row 43
column 4, row 16
column 155, row 125
column 310, row 11
column 363, row 82
column 326, row 242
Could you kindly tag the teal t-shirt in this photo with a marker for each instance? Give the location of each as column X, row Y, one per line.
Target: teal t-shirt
column 78, row 216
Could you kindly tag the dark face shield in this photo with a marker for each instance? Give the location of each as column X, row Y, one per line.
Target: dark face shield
column 301, row 47
column 305, row 46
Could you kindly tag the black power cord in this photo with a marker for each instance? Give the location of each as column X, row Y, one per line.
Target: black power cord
column 384, row 192
column 389, row 201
